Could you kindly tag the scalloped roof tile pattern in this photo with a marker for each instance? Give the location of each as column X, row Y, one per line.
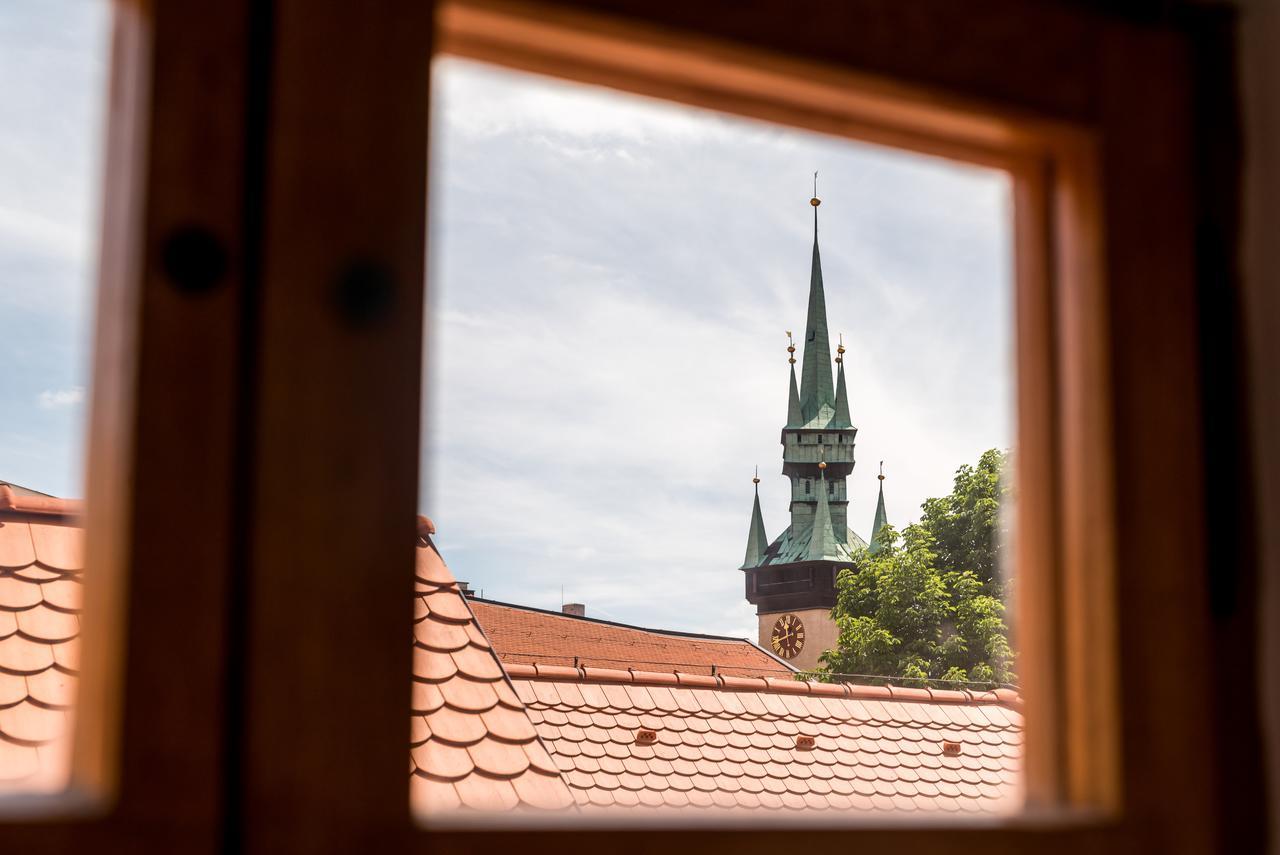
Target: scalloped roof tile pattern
column 546, row 737
column 529, row 636
column 41, row 560
column 774, row 745
column 472, row 745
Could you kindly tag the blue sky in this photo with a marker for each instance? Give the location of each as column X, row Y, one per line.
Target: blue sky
column 611, row 279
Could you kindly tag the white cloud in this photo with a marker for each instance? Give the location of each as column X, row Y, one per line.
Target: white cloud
column 31, row 231
column 56, row 399
column 606, row 357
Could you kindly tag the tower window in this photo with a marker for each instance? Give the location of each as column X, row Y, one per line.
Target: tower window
column 819, row 439
column 806, row 487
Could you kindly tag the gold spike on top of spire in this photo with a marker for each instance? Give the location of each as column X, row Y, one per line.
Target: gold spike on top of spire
column 881, row 475
column 840, row 350
column 791, row 348
column 756, row 478
column 815, row 201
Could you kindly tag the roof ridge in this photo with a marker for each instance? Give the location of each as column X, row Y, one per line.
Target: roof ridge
column 773, row 685
column 51, row 506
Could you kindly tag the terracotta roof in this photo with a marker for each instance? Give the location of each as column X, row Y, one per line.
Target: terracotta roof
column 523, row 635
column 41, row 558
column 740, row 743
column 552, row 737
column 472, row 743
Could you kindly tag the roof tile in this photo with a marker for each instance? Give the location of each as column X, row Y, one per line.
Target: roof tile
column 62, row 594
column 30, row 724
column 17, row 595
column 21, row 656
column 736, row 745
column 60, row 547
column 524, row 635
column 16, row 548
column 18, row 762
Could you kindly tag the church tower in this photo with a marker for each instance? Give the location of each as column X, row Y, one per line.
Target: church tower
column 791, row 581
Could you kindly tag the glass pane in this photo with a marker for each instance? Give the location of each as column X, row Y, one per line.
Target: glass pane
column 716, row 451
column 53, row 61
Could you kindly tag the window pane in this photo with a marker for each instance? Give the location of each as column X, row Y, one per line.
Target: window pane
column 53, row 60
column 634, row 305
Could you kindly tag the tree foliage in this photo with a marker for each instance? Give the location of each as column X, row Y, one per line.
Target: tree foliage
column 929, row 605
column 966, row 524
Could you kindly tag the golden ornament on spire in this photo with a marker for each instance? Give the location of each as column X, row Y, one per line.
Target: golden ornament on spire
column 840, row 350
column 791, row 348
column 881, row 475
column 756, row 478
column 815, row 201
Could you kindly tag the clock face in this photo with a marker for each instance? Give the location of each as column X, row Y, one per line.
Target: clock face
column 788, row 637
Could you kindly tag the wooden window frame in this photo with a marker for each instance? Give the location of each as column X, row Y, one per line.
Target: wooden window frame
column 254, row 440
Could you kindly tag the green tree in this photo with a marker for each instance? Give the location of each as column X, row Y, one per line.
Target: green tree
column 929, row 605
column 966, row 525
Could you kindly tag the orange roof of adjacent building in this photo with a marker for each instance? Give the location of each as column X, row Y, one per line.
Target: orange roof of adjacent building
column 528, row 636
column 631, row 739
column 41, row 558
column 490, row 735
column 472, row 744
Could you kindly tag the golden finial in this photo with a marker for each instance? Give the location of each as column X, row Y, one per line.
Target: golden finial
column 840, row 350
column 791, row 348
column 815, row 201
column 822, row 457
column 756, row 478
column 881, row 475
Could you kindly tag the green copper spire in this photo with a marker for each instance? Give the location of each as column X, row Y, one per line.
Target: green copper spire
column 822, row 544
column 881, row 517
column 841, row 417
column 815, row 373
column 757, row 540
column 794, row 416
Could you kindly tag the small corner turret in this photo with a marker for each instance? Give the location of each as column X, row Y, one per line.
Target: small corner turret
column 757, row 540
column 881, row 517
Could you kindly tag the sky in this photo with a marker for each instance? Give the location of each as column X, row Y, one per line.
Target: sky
column 53, row 61
column 610, row 282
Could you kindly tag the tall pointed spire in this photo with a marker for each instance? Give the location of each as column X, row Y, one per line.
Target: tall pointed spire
column 822, row 544
column 815, row 373
column 794, row 416
column 881, row 517
column 841, row 418
column 757, row 540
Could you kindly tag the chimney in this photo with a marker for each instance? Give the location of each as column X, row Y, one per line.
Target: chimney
column 575, row 609
column 464, row 588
